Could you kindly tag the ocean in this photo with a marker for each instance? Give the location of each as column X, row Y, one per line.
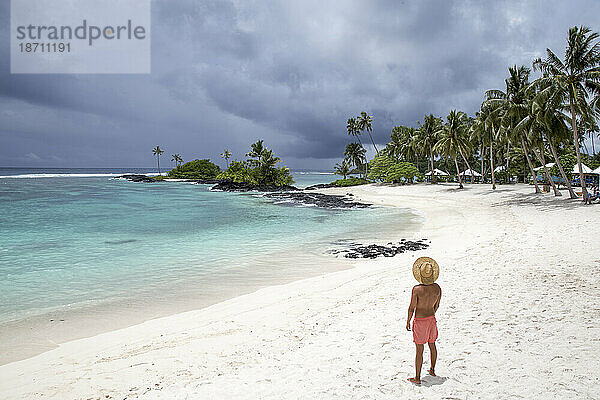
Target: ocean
column 79, row 239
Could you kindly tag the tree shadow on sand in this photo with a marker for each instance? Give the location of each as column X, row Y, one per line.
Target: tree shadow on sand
column 542, row 201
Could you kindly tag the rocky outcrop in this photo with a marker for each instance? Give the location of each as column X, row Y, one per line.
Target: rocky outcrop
column 138, row 178
column 373, row 250
column 321, row 186
column 315, row 199
column 228, row 186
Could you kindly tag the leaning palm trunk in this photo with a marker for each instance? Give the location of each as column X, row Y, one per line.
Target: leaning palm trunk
column 507, row 157
column 492, row 158
column 576, row 144
column 540, row 155
column 492, row 165
column 458, row 172
column 366, row 159
column 482, row 171
column 560, row 168
column 433, row 178
column 158, row 161
column 372, row 141
column 468, row 166
column 537, row 188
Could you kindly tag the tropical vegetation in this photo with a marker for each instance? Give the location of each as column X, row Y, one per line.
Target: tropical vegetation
column 259, row 168
column 197, row 169
column 541, row 121
column 157, row 151
column 177, row 159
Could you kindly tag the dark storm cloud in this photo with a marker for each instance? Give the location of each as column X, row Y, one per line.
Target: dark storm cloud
column 227, row 72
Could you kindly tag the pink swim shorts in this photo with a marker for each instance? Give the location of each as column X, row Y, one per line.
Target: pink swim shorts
column 425, row 330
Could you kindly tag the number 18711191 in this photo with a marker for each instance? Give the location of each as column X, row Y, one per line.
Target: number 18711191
column 35, row 47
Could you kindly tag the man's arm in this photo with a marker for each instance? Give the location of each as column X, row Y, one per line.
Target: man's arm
column 437, row 303
column 411, row 307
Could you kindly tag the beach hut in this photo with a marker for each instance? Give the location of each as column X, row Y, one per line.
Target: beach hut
column 438, row 173
column 591, row 177
column 473, row 175
column 541, row 176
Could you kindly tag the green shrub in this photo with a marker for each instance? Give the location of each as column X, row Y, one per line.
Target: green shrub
column 243, row 172
column 350, row 182
column 379, row 166
column 402, row 172
column 238, row 171
column 197, row 169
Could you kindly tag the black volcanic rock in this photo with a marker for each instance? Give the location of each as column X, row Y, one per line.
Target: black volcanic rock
column 138, row 178
column 320, row 186
column 228, row 186
column 316, row 199
column 374, row 250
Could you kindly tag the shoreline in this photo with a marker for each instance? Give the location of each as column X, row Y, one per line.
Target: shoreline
column 36, row 334
column 342, row 333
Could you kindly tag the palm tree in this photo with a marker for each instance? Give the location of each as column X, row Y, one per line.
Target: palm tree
column 547, row 114
column 535, row 133
column 177, row 159
column 364, row 121
column 428, row 136
column 353, row 129
column 266, row 165
column 355, row 153
column 267, row 160
column 477, row 138
column 514, row 108
column 413, row 147
column 489, row 122
column 453, row 139
column 398, row 139
column 157, row 151
column 573, row 79
column 226, row 154
column 342, row 168
column 256, row 152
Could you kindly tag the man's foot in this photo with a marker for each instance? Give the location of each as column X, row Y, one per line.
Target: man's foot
column 431, row 372
column 416, row 381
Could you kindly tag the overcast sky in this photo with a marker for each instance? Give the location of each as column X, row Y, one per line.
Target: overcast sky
column 225, row 73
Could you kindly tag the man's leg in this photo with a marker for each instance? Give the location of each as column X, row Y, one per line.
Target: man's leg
column 433, row 352
column 418, row 364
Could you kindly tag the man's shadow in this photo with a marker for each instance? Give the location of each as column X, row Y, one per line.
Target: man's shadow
column 429, row 380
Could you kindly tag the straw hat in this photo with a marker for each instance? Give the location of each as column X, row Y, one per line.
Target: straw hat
column 426, row 270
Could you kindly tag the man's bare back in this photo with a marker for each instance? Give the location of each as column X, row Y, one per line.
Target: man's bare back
column 426, row 299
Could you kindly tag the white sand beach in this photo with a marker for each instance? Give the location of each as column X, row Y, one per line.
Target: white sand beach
column 519, row 318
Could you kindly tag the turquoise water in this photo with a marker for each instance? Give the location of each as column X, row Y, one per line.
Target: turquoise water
column 75, row 238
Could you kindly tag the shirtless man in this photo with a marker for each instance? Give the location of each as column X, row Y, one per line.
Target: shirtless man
column 424, row 303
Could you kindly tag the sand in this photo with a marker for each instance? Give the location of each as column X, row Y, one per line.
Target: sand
column 518, row 319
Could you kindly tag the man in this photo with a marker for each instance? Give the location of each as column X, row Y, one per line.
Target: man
column 424, row 303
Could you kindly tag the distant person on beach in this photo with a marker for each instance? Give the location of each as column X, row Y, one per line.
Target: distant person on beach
column 594, row 195
column 424, row 302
